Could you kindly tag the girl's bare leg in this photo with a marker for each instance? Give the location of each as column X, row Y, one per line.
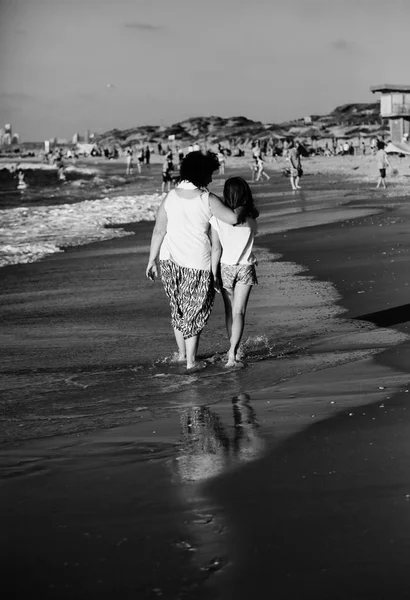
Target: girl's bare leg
column 237, row 301
column 227, row 296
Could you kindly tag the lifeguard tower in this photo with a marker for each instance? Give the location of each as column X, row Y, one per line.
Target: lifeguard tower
column 395, row 106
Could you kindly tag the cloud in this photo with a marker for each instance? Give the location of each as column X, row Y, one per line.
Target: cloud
column 342, row 45
column 142, row 26
column 16, row 98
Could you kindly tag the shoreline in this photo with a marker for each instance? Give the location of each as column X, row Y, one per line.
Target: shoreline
column 75, row 379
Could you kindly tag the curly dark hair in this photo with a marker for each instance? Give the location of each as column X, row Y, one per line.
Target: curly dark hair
column 237, row 193
column 198, row 168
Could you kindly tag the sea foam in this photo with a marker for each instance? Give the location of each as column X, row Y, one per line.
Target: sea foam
column 28, row 234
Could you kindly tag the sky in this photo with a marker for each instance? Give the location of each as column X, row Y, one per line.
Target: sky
column 71, row 65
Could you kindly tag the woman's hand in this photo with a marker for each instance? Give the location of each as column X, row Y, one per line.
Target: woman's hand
column 152, row 270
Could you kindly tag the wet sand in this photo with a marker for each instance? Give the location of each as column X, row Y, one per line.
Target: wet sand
column 290, row 480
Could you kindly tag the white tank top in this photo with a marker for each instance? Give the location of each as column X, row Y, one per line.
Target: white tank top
column 236, row 242
column 187, row 240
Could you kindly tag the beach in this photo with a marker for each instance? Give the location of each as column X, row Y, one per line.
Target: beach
column 122, row 475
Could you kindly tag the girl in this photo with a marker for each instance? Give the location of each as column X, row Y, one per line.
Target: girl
column 232, row 245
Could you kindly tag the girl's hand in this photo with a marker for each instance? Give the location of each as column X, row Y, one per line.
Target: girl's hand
column 152, row 271
column 217, row 283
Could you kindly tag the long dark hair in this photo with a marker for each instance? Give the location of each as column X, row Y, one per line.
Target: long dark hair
column 198, row 168
column 238, row 193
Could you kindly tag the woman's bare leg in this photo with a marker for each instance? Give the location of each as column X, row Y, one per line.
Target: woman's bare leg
column 191, row 347
column 181, row 345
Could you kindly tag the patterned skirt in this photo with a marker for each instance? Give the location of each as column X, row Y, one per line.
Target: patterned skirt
column 191, row 296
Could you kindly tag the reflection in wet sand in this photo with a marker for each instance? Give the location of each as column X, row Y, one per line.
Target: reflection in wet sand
column 208, row 449
column 247, row 443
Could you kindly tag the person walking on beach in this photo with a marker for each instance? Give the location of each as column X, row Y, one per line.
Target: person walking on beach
column 296, row 171
column 233, row 261
column 260, row 163
column 181, row 242
column 382, row 163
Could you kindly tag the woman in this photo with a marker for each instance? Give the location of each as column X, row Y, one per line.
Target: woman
column 180, row 239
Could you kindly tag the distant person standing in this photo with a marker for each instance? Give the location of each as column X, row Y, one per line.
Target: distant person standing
column 221, row 160
column 296, row 171
column 167, row 170
column 129, row 168
column 140, row 159
column 147, row 155
column 180, row 155
column 382, row 163
column 254, row 168
column 363, row 149
column 22, row 185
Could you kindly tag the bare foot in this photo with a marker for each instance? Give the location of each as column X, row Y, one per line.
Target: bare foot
column 232, row 363
column 177, row 358
column 240, row 354
column 197, row 366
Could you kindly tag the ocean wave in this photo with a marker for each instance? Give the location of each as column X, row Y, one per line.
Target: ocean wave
column 33, row 166
column 28, row 234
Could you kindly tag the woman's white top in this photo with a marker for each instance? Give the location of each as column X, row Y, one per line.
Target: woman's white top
column 187, row 240
column 236, row 241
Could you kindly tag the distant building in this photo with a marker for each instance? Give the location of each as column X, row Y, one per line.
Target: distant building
column 395, row 106
column 76, row 138
column 15, row 138
column 307, row 120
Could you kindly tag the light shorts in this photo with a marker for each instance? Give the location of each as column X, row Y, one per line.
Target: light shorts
column 238, row 274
